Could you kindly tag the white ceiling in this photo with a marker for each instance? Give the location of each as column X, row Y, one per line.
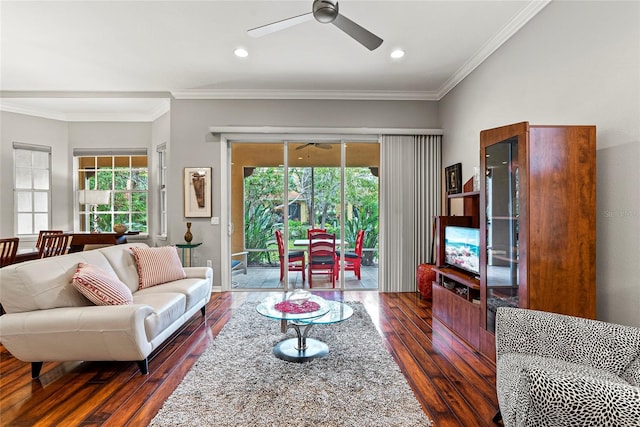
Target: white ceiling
column 66, row 56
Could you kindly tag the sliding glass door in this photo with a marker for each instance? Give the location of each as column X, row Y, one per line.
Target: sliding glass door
column 279, row 190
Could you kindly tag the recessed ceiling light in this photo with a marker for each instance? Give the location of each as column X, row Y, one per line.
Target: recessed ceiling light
column 241, row 53
column 397, row 54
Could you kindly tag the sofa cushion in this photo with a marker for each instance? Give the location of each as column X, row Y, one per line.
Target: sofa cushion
column 517, row 374
column 41, row 284
column 563, row 398
column 121, row 258
column 100, row 287
column 157, row 265
column 586, row 342
column 167, row 308
column 194, row 290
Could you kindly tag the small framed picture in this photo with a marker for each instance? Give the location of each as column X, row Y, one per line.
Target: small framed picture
column 197, row 192
column 453, row 178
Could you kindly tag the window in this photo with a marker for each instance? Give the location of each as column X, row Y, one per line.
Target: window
column 32, row 187
column 119, row 180
column 162, row 188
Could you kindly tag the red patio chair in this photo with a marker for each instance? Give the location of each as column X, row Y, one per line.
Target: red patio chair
column 296, row 258
column 322, row 256
column 352, row 260
column 312, row 231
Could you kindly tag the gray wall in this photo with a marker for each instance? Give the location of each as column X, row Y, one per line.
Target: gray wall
column 192, row 146
column 574, row 63
column 62, row 137
column 160, row 134
column 35, row 130
column 108, row 135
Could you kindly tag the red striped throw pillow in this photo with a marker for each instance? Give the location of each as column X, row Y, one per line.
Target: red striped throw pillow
column 100, row 287
column 157, row 265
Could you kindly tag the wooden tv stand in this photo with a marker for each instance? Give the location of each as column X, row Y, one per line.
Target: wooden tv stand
column 456, row 303
column 456, row 293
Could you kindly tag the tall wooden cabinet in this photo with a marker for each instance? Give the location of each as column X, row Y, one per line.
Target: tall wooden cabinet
column 537, row 222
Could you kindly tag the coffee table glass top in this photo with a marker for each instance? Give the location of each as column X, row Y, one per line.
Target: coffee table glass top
column 337, row 313
column 267, row 308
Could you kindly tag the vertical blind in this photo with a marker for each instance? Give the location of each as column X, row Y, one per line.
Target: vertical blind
column 410, row 196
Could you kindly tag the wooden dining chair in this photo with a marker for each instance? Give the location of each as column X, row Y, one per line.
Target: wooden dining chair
column 296, row 258
column 322, row 256
column 55, row 244
column 43, row 233
column 8, row 250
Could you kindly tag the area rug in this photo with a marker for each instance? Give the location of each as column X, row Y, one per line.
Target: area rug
column 239, row 382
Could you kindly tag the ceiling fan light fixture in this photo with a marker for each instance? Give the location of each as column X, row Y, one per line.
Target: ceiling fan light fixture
column 241, row 52
column 325, row 11
column 397, row 53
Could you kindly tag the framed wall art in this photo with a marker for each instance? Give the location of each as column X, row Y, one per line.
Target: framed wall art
column 453, row 178
column 197, row 192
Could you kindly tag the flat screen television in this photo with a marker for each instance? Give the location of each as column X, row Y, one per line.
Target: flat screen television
column 462, row 248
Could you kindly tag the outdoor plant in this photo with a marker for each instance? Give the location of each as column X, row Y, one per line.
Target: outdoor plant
column 128, row 194
column 364, row 218
column 258, row 223
column 317, row 188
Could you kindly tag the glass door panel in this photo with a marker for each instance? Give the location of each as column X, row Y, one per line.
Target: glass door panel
column 315, row 184
column 257, row 202
column 361, row 202
column 290, row 187
column 502, row 212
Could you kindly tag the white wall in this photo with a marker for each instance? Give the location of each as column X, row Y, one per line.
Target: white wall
column 574, row 63
column 192, row 146
column 35, row 130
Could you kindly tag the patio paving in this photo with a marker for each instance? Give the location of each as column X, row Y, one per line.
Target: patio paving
column 269, row 278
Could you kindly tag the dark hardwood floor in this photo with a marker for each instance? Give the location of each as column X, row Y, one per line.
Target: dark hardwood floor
column 454, row 384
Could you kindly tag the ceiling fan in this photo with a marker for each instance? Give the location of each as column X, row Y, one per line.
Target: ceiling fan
column 315, row 144
column 325, row 12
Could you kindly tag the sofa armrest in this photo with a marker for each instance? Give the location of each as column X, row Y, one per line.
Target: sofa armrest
column 77, row 333
column 199, row 273
column 588, row 342
column 554, row 398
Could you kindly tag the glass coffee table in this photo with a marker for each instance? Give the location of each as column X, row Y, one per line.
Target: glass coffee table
column 302, row 348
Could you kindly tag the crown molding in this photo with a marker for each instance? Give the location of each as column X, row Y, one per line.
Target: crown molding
column 519, row 21
column 305, row 94
column 11, row 107
column 14, row 106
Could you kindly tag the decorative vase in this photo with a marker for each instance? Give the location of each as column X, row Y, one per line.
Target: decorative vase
column 120, row 228
column 188, row 237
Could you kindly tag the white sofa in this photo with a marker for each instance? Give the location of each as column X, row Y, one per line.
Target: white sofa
column 47, row 319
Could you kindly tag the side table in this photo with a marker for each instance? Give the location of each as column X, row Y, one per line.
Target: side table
column 186, row 252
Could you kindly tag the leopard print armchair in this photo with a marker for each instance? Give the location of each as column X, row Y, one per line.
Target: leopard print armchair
column 558, row 370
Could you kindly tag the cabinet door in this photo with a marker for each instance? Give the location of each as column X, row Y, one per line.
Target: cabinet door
column 502, row 207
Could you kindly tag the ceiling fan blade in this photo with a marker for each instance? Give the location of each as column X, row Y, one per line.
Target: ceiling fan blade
column 279, row 25
column 358, row 33
column 323, row 146
column 300, row 147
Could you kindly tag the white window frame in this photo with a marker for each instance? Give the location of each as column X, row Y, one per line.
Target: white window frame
column 162, row 189
column 124, row 152
column 19, row 192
